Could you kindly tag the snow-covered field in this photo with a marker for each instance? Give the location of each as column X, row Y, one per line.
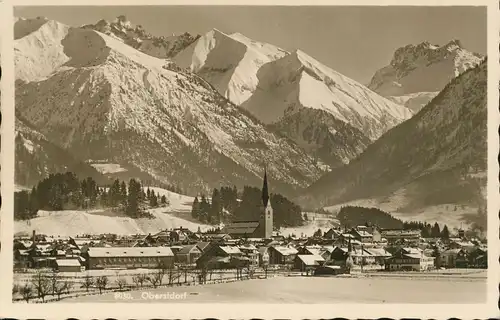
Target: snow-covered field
column 322, row 290
column 106, row 168
column 315, row 221
column 77, row 222
column 442, row 214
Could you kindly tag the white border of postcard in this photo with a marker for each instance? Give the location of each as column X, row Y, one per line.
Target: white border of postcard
column 226, row 310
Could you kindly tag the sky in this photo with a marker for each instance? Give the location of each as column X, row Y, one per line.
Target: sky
column 355, row 41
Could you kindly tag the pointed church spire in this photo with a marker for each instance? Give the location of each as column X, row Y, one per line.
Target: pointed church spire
column 265, row 191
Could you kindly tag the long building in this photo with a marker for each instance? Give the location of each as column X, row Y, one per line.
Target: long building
column 129, row 257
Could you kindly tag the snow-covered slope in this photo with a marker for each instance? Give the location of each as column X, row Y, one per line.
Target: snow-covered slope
column 299, row 81
column 140, row 39
column 325, row 112
column 414, row 101
column 111, row 101
column 229, row 62
column 73, row 222
column 423, row 68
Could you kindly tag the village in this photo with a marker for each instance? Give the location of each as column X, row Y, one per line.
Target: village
column 188, row 258
column 57, row 266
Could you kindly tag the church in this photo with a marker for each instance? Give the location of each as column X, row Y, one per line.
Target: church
column 263, row 228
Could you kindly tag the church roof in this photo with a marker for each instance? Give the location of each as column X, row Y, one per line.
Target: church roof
column 242, row 227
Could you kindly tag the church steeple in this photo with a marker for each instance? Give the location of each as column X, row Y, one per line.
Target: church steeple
column 265, row 191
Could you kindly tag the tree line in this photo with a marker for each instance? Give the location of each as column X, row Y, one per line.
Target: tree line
column 352, row 216
column 64, row 191
column 227, row 204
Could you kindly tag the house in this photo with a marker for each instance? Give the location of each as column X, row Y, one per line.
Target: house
column 282, row 255
column 361, row 235
column 307, row 262
column 409, row 259
column 326, row 252
column 449, row 258
column 462, row 244
column 203, row 246
column 315, row 249
column 332, row 234
column 478, row 258
column 379, row 255
column 162, row 236
column 400, row 235
column 68, row 265
column 219, row 257
column 129, row 257
column 22, row 258
column 219, row 237
column 188, row 254
column 361, row 256
column 251, row 252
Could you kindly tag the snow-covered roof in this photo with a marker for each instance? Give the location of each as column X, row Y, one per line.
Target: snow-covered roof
column 68, row 262
column 230, row 249
column 286, row 251
column 310, row 259
column 378, row 252
column 248, row 246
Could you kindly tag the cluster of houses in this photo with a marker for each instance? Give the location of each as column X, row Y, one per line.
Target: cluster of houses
column 336, row 251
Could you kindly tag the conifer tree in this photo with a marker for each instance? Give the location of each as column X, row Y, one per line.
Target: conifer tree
column 195, row 211
column 216, row 207
column 204, row 209
column 445, row 233
column 123, row 193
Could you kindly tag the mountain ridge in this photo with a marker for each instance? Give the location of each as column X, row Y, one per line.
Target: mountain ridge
column 135, row 110
column 431, row 159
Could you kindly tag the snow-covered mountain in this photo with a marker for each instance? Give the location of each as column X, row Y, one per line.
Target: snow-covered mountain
column 229, row 62
column 99, row 98
column 433, row 163
column 140, row 39
column 417, row 73
column 277, row 87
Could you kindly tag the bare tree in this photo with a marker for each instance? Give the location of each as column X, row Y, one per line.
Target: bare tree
column 53, row 282
column 68, row 285
column 101, row 283
column 139, row 279
column 157, row 278
column 26, row 291
column 88, row 282
column 59, row 289
column 121, row 283
column 42, row 285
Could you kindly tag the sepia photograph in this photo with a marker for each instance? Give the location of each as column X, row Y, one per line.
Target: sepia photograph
column 250, row 154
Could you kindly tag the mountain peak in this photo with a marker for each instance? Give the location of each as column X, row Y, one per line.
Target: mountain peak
column 436, row 65
column 138, row 38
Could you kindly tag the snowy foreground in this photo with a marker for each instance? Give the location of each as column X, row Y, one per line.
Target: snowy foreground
column 317, row 290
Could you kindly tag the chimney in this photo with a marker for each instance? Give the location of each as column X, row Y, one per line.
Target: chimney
column 34, row 236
